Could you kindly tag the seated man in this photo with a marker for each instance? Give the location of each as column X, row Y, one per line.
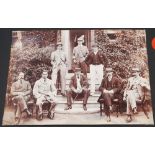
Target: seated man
column 21, row 90
column 109, row 87
column 78, row 87
column 134, row 91
column 45, row 91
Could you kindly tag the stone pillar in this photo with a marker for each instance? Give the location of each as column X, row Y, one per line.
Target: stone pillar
column 92, row 37
column 18, row 43
column 65, row 38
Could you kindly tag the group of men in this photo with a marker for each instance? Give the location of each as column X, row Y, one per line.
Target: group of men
column 45, row 90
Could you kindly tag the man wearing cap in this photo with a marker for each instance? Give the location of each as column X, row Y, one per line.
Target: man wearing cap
column 21, row 91
column 109, row 87
column 45, row 91
column 78, row 87
column 97, row 61
column 59, row 63
column 80, row 52
column 134, row 91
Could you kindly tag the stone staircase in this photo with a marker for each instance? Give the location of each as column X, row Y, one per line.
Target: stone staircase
column 77, row 107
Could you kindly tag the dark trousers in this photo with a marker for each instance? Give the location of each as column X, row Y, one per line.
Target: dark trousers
column 83, row 66
column 107, row 102
column 71, row 94
column 20, row 103
column 50, row 106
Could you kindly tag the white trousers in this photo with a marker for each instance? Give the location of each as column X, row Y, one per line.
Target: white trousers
column 96, row 76
column 63, row 71
column 132, row 97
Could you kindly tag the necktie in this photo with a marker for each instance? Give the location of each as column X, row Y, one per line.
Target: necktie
column 78, row 83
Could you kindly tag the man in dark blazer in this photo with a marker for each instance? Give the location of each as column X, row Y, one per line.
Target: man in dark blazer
column 78, row 87
column 109, row 87
column 97, row 61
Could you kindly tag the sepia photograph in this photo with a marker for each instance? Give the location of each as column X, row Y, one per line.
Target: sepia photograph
column 78, row 77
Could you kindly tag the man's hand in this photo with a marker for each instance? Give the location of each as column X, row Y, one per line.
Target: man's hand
column 108, row 91
column 79, row 90
column 124, row 98
column 105, row 91
column 21, row 94
column 75, row 90
column 74, row 60
column 111, row 91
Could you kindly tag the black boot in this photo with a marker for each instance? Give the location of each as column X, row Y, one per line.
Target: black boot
column 68, row 107
column 84, row 108
column 50, row 115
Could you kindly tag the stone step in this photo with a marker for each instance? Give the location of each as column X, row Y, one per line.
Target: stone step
column 96, row 87
column 69, row 75
column 76, row 102
column 63, row 100
column 77, row 109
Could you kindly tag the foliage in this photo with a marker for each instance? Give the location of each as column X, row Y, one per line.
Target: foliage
column 34, row 56
column 126, row 51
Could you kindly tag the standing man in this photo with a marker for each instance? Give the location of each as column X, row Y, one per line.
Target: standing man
column 134, row 92
column 109, row 87
column 45, row 91
column 21, row 91
column 78, row 87
column 59, row 63
column 97, row 61
column 80, row 52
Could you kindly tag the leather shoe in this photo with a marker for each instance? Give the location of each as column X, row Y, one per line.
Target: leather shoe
column 40, row 117
column 129, row 119
column 29, row 114
column 68, row 107
column 135, row 111
column 108, row 119
column 50, row 115
column 17, row 120
column 84, row 108
column 63, row 94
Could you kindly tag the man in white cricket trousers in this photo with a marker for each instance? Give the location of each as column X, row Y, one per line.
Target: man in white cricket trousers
column 59, row 63
column 134, row 91
column 97, row 61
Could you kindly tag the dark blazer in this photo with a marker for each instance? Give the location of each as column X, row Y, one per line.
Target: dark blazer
column 83, row 82
column 116, row 84
column 100, row 58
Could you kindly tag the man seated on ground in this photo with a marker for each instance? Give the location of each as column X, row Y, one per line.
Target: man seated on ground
column 20, row 91
column 109, row 87
column 134, row 91
column 78, row 88
column 44, row 91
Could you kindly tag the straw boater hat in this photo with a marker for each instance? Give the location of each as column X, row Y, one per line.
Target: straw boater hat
column 59, row 43
column 81, row 38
